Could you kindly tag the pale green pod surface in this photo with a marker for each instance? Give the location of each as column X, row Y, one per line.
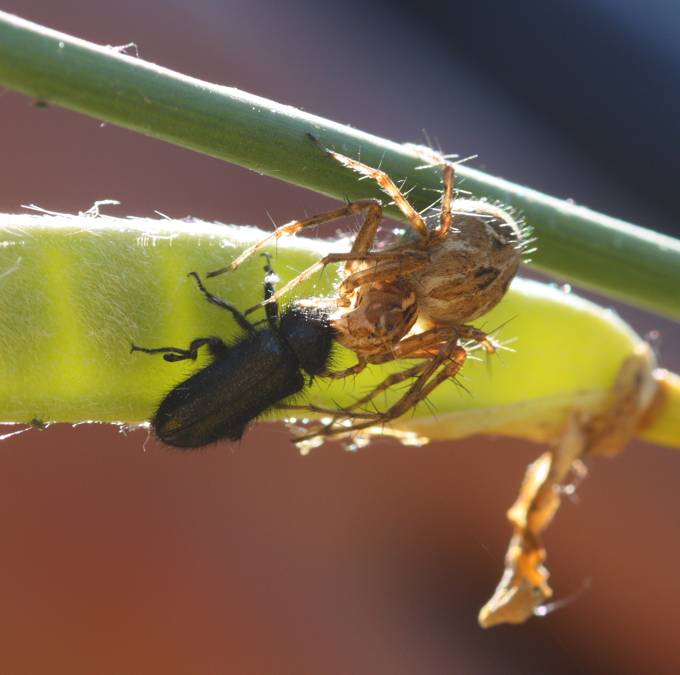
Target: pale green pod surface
column 565, row 354
column 75, row 293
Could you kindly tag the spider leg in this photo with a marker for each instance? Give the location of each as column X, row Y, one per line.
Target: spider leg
column 426, row 344
column 445, row 216
column 389, row 381
column 371, row 256
column 350, row 412
column 479, row 336
column 450, row 352
column 386, row 184
column 407, row 261
column 434, row 372
column 310, row 407
column 346, row 372
column 433, row 158
column 372, row 207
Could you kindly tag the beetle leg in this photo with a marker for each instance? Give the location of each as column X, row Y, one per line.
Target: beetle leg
column 373, row 209
column 224, row 304
column 272, row 308
column 172, row 354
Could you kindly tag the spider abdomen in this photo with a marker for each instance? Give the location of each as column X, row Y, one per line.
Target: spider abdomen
column 470, row 269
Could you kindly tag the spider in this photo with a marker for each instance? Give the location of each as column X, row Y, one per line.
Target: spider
column 412, row 299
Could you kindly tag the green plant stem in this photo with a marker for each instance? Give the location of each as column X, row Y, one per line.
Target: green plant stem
column 608, row 255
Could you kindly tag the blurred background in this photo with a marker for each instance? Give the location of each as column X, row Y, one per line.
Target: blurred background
column 248, row 558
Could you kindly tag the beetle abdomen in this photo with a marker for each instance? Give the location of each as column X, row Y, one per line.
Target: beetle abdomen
column 219, row 401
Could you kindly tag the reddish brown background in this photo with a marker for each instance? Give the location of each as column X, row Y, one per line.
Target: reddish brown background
column 249, row 558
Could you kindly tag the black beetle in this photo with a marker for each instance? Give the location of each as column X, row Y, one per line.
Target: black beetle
column 244, row 379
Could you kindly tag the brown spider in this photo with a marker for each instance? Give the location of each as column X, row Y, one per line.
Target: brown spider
column 412, row 299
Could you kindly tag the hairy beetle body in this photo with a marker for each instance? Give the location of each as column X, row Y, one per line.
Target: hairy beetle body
column 244, row 379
